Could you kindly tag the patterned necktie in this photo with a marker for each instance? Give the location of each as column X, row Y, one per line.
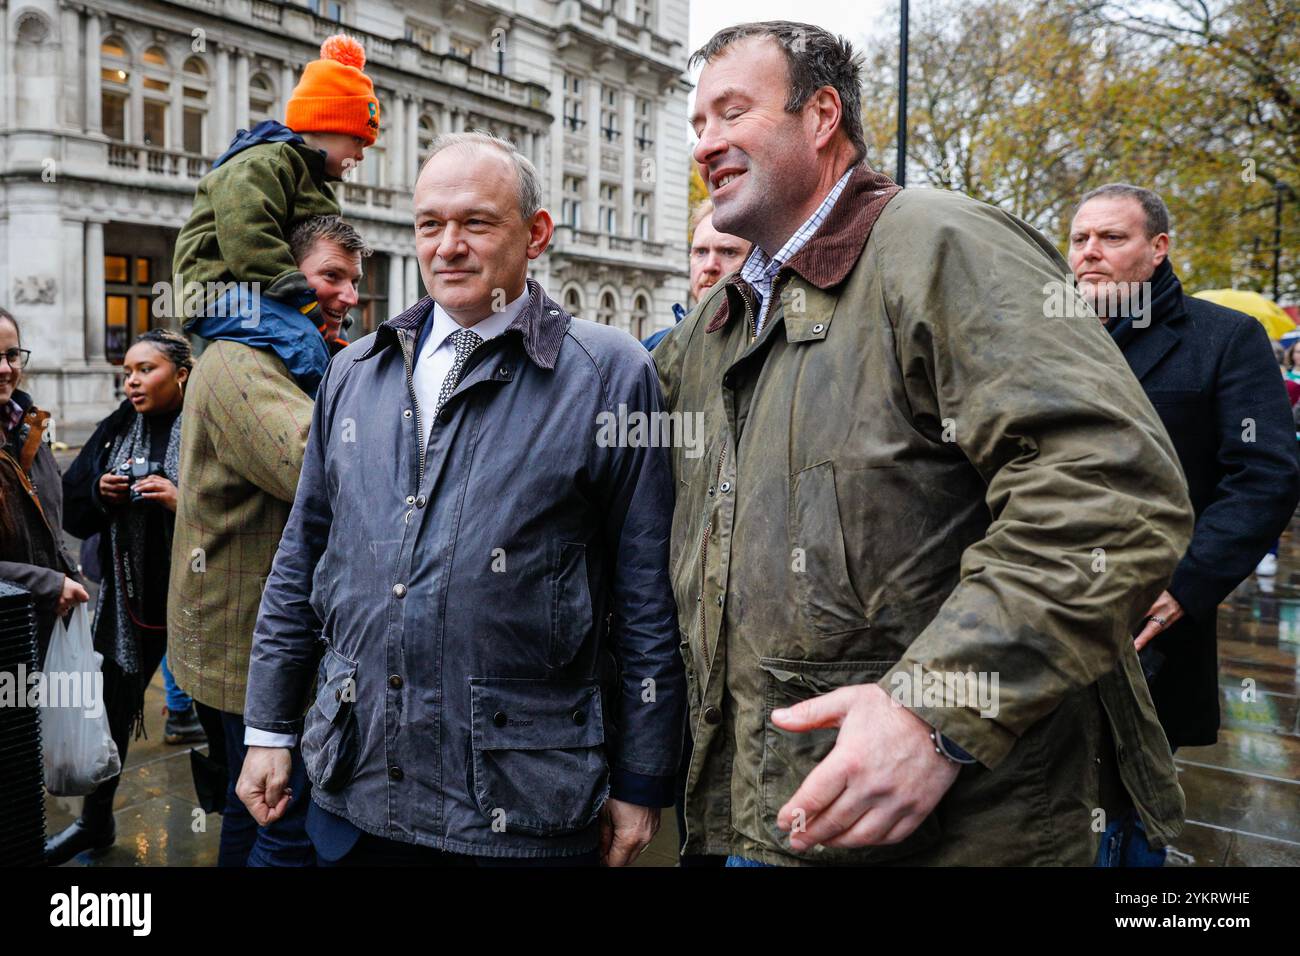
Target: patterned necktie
column 465, row 342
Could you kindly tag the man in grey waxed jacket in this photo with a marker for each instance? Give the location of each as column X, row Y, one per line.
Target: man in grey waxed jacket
column 475, row 570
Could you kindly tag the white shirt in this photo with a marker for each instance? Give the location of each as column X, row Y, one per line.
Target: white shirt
column 436, row 358
column 431, row 368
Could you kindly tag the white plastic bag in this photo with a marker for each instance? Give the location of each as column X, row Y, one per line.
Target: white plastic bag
column 78, row 748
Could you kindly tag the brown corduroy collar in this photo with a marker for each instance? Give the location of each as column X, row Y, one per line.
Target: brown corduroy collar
column 834, row 249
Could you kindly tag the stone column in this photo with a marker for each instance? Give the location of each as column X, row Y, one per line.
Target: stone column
column 659, row 201
column 222, row 113
column 135, row 108
column 630, row 172
column 176, row 119
column 591, row 198
column 72, row 289
column 241, row 92
column 394, row 130
column 411, row 162
column 94, row 292
column 286, row 89
column 70, row 115
column 94, row 111
column 413, row 286
column 396, row 282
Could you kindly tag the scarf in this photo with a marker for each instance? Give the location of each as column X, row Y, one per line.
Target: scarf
column 127, row 556
column 1166, row 301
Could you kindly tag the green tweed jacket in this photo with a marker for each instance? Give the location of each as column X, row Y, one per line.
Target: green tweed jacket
column 246, row 424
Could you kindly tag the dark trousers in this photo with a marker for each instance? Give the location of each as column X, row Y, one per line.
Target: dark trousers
column 243, row 842
column 371, row 850
column 121, row 694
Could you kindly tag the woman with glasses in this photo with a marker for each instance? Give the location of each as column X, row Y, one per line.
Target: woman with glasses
column 31, row 497
column 123, row 488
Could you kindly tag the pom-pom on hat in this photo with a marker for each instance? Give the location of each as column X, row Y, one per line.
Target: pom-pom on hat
column 334, row 96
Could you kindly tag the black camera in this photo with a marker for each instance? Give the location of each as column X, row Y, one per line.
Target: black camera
column 136, row 469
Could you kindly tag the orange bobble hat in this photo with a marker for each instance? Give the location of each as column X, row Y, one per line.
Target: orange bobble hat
column 334, row 96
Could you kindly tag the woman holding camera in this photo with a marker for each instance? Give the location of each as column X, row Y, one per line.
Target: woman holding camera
column 123, row 487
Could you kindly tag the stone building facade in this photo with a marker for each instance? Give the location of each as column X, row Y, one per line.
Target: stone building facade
column 111, row 111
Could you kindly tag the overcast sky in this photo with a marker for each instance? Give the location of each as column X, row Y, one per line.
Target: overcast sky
column 854, row 19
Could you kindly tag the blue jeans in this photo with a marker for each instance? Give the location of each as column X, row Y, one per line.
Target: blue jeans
column 243, row 842
column 1124, row 844
column 178, row 702
column 744, row 861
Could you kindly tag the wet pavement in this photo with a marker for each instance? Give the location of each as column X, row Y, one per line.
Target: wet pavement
column 1243, row 793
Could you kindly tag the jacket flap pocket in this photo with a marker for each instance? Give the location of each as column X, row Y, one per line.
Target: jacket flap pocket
column 338, row 683
column 509, row 713
column 804, row 679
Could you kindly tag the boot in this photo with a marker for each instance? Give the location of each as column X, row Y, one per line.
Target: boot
column 77, row 838
column 184, row 728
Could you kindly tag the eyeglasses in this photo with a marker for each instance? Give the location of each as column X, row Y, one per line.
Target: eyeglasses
column 17, row 358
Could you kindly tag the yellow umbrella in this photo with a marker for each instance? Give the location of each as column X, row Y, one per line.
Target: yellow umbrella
column 1271, row 315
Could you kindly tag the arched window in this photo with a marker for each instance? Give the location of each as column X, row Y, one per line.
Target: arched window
column 261, row 99
column 157, row 97
column 640, row 315
column 194, row 80
column 607, row 314
column 115, row 90
column 573, row 301
column 427, row 132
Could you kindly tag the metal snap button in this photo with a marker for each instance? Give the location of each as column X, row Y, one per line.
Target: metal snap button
column 712, row 715
column 421, row 501
column 499, row 718
column 410, row 499
column 725, row 487
column 399, row 590
column 395, row 773
column 406, row 413
column 719, row 600
column 395, row 681
column 579, row 718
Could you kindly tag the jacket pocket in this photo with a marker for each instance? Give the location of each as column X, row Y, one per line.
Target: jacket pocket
column 788, row 758
column 331, row 740
column 538, row 753
column 571, row 616
column 820, row 571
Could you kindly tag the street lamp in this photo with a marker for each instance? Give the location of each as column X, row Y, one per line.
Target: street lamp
column 902, row 96
column 1280, row 189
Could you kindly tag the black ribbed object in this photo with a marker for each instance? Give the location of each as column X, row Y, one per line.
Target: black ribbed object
column 22, row 793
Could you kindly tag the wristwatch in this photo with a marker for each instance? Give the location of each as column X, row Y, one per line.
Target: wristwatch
column 949, row 750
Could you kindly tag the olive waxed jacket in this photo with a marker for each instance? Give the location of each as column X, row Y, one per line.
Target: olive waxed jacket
column 914, row 470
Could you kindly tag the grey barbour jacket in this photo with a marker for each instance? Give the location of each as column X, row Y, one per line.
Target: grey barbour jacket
column 914, row 472
column 489, row 619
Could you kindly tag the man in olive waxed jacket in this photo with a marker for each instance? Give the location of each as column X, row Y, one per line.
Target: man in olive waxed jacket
column 925, row 483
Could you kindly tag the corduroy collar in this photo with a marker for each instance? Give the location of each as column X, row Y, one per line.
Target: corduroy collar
column 541, row 324
column 834, row 249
